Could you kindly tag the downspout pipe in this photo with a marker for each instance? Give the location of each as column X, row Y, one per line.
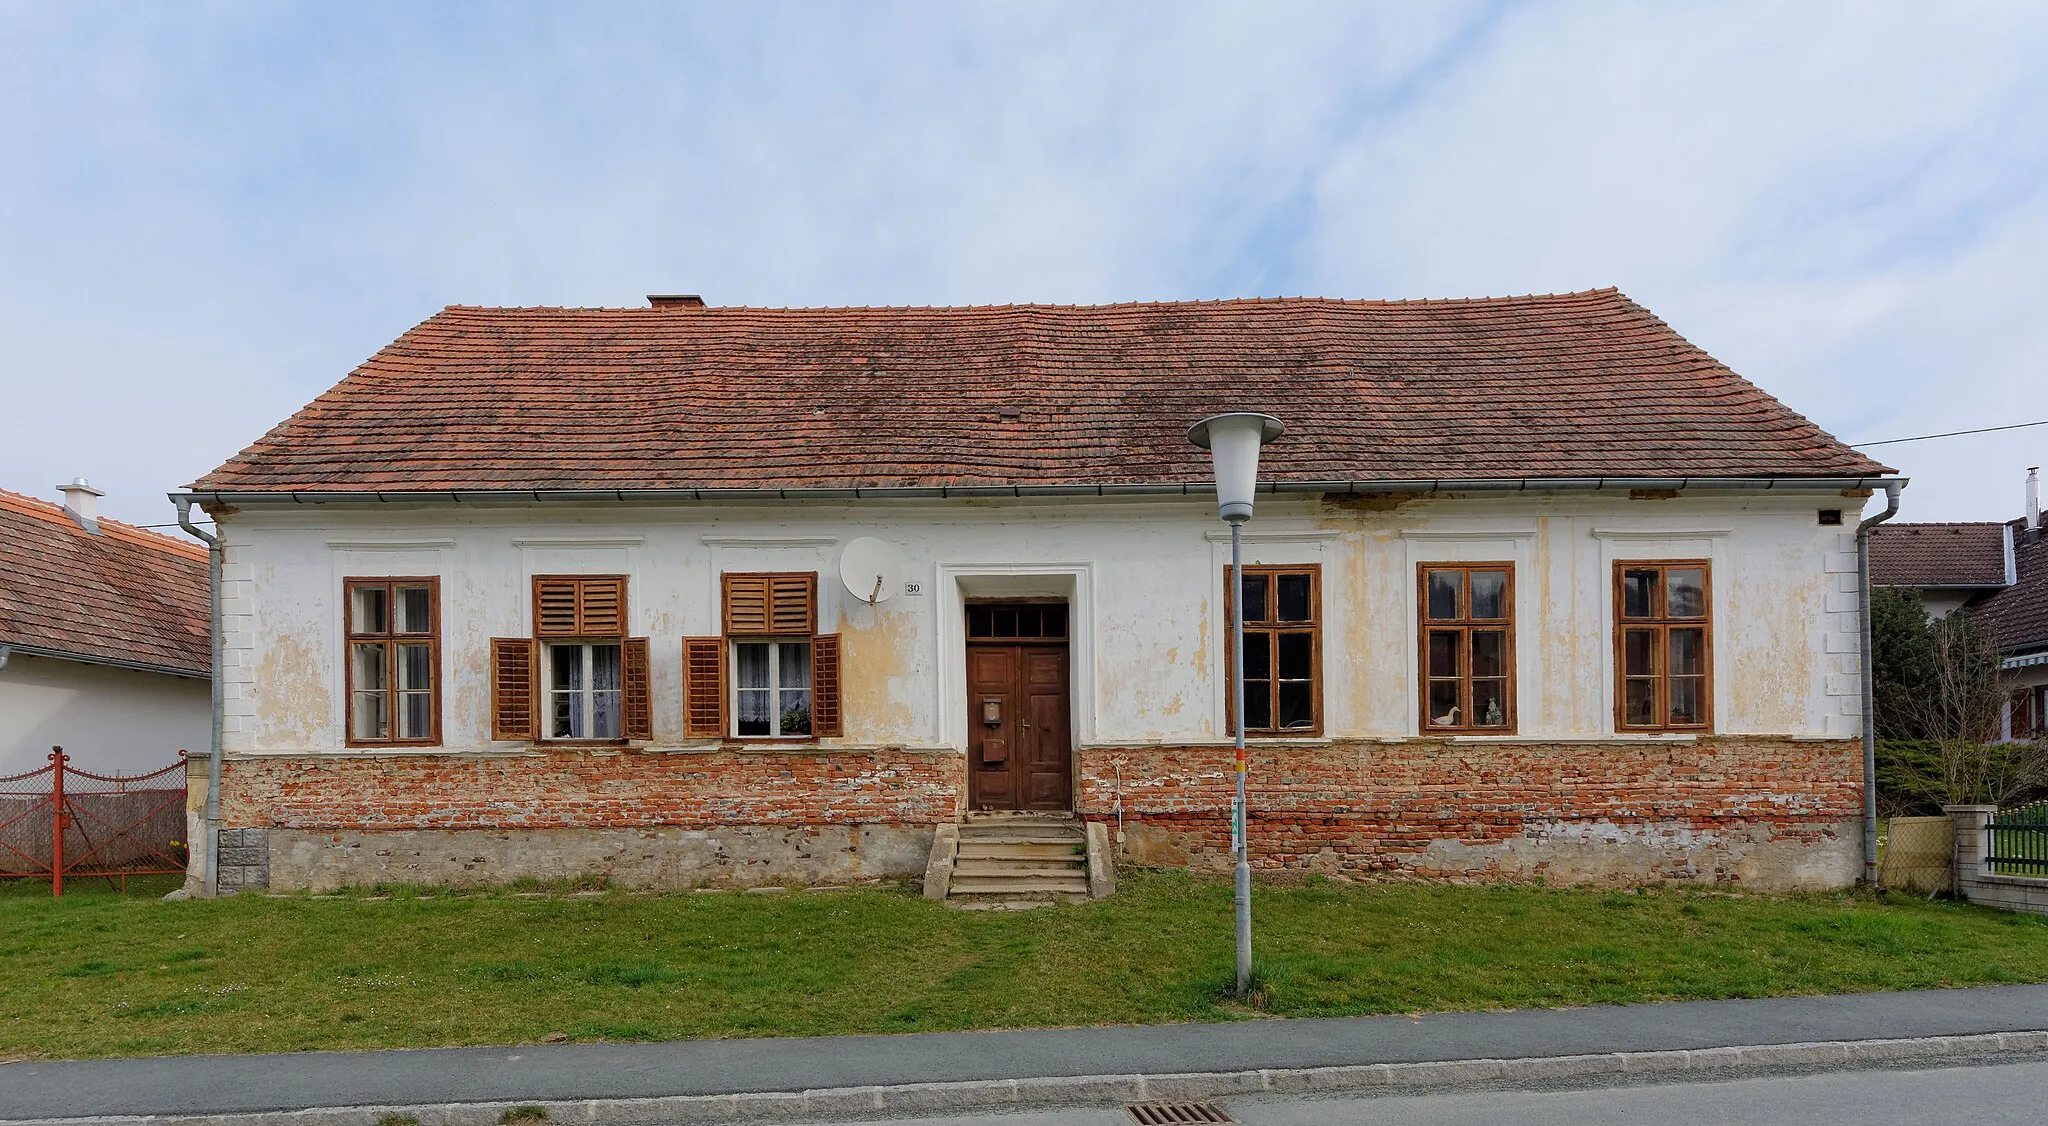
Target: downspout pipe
column 1891, row 509
column 210, row 874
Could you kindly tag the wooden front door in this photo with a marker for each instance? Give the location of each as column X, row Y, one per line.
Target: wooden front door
column 1019, row 753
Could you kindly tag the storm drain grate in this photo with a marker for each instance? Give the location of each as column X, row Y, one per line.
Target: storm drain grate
column 1161, row 1114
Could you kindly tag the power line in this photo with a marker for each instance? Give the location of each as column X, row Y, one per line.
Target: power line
column 1950, row 434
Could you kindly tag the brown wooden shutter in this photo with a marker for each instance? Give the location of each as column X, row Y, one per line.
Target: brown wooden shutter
column 746, row 604
column 513, row 693
column 704, row 687
column 637, row 690
column 601, row 606
column 825, row 711
column 554, row 607
column 793, row 604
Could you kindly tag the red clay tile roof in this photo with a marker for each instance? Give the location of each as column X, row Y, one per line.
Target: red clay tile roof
column 2019, row 613
column 127, row 595
column 1575, row 385
column 1971, row 554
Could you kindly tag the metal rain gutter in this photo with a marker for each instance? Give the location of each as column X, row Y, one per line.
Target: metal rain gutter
column 952, row 492
column 1891, row 509
column 210, row 876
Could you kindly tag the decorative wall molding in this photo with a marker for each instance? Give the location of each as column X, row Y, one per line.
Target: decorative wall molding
column 390, row 545
column 575, row 542
column 770, row 541
column 1312, row 535
column 1520, row 532
column 1608, row 533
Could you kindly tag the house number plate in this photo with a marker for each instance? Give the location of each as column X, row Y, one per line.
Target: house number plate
column 913, row 589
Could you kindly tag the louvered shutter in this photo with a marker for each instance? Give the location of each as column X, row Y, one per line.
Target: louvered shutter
column 513, row 692
column 601, row 606
column 636, row 690
column 825, row 712
column 793, row 605
column 746, row 604
column 554, row 607
column 704, row 687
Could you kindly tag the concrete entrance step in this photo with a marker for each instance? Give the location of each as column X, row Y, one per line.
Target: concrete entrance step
column 980, row 849
column 985, row 885
column 1018, row 869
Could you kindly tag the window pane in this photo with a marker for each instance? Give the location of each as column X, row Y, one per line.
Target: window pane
column 1443, row 653
column 416, row 718
column 369, row 667
column 1489, row 703
column 604, row 714
column 1489, row 654
column 415, row 667
column 1489, row 596
column 367, row 715
column 368, row 612
column 1258, row 656
column 1443, row 704
column 754, row 712
column 1685, row 698
column 416, row 609
column 1688, row 653
column 1258, row 705
column 565, row 664
column 1055, row 621
column 794, row 664
column 1291, row 593
column 1297, row 705
column 1255, row 598
column 1638, row 652
column 1029, row 622
column 979, row 621
column 796, row 712
column 1687, row 594
column 750, row 664
column 1297, row 656
column 566, row 717
column 1444, row 595
column 1639, row 702
column 1005, row 623
column 1639, row 594
column 604, row 668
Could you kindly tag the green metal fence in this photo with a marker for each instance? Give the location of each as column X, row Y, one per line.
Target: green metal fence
column 2019, row 841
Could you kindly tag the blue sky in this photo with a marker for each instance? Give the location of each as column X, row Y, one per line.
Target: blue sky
column 210, row 212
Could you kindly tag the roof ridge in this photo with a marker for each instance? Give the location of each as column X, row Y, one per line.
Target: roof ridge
column 1379, row 302
column 55, row 513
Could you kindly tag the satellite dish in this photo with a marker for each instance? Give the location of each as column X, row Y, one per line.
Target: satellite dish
column 871, row 569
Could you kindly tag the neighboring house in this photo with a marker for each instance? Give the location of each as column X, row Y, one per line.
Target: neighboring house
column 1538, row 589
column 1997, row 573
column 104, row 648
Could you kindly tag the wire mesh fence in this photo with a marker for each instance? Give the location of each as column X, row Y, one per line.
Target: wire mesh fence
column 59, row 822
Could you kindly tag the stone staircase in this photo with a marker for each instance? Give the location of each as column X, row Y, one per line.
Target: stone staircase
column 1014, row 858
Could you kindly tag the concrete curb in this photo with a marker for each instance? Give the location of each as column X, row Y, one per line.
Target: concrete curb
column 913, row 1099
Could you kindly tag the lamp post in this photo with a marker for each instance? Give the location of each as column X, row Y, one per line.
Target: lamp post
column 1233, row 442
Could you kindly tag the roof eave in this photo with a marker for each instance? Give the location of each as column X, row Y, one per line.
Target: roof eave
column 184, row 672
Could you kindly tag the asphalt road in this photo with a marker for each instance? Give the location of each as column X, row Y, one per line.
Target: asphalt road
column 1978, row 1095
column 228, row 1084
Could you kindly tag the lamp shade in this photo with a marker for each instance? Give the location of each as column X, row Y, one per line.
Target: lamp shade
column 1233, row 442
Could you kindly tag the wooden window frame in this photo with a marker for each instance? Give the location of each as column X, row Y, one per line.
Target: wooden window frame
column 1465, row 624
column 391, row 639
column 1314, row 627
column 543, row 659
column 774, row 689
column 1662, row 624
column 827, row 722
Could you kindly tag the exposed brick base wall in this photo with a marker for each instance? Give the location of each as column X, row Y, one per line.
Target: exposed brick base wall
column 1768, row 813
column 583, row 790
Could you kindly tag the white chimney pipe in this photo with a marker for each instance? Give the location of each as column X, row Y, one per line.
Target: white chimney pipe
column 82, row 501
column 2033, row 498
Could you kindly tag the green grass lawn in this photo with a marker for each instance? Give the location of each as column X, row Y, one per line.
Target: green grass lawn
column 97, row 974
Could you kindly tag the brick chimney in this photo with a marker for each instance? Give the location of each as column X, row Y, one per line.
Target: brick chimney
column 82, row 504
column 2033, row 498
column 675, row 300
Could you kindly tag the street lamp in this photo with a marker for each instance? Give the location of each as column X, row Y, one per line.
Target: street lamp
column 1233, row 442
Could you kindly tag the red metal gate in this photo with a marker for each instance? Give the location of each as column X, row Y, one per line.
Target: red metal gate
column 60, row 821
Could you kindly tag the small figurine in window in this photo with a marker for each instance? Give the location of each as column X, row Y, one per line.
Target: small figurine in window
column 1494, row 718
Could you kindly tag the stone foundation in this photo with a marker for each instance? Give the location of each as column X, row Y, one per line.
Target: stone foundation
column 661, row 858
column 1769, row 813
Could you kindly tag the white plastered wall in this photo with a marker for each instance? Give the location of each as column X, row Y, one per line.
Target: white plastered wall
column 1146, row 578
column 107, row 719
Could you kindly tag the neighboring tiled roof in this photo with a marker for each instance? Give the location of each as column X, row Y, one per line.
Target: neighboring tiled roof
column 2019, row 613
column 127, row 595
column 1919, row 555
column 1578, row 385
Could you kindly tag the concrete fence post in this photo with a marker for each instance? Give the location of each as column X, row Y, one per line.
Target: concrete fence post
column 1973, row 838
